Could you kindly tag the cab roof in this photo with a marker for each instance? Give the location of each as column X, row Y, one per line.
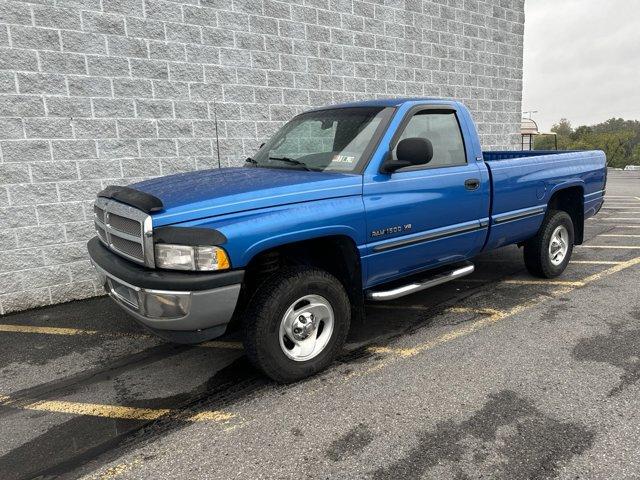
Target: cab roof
column 383, row 102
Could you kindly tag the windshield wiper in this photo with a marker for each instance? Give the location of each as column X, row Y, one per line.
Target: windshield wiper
column 251, row 161
column 291, row 161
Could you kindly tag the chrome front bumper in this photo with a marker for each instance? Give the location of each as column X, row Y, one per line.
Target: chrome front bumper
column 173, row 310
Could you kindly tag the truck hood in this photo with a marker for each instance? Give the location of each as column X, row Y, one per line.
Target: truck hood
column 207, row 193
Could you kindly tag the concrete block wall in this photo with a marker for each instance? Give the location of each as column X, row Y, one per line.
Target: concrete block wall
column 98, row 92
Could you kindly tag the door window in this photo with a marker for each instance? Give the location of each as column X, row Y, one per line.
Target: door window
column 443, row 131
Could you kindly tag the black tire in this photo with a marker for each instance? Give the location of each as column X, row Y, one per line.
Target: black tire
column 262, row 318
column 536, row 250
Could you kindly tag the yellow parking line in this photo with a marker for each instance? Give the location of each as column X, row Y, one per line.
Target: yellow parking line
column 479, row 311
column 221, row 344
column 614, row 219
column 115, row 411
column 562, row 283
column 47, row 330
column 612, row 270
column 117, row 470
column 586, row 262
column 618, row 247
column 596, row 262
column 619, row 235
column 79, row 331
column 396, row 307
column 490, row 318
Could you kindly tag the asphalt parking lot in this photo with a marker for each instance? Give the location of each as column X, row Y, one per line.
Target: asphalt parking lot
column 498, row 375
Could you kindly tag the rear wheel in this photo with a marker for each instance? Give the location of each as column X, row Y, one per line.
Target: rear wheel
column 548, row 253
column 296, row 323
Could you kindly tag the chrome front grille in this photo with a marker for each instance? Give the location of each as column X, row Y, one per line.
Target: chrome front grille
column 125, row 230
column 125, row 225
column 129, row 248
column 99, row 213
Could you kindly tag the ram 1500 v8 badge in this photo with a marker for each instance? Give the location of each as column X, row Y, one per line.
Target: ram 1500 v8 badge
column 366, row 201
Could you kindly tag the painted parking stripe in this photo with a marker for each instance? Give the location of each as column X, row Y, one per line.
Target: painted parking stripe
column 488, row 319
column 562, row 283
column 47, row 330
column 478, row 311
column 221, row 344
column 615, row 247
column 383, row 306
column 115, row 411
column 591, row 225
column 595, row 262
column 626, row 206
column 78, row 331
column 586, row 262
column 621, row 235
column 17, row 328
column 615, row 219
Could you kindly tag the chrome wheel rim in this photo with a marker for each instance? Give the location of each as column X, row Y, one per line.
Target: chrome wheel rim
column 559, row 245
column 306, row 328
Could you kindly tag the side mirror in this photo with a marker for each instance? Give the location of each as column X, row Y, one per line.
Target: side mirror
column 410, row 151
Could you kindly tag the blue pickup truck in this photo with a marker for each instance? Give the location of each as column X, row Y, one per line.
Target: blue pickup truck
column 350, row 203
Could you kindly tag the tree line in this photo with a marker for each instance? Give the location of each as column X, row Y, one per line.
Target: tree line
column 618, row 138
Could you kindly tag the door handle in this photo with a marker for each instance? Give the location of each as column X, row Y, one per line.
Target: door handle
column 471, row 183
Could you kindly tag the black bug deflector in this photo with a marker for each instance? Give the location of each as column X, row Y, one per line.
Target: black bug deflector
column 135, row 198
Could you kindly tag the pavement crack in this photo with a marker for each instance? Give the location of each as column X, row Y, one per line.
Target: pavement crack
column 73, row 383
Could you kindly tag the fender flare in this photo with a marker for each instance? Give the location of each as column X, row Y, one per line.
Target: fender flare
column 575, row 182
column 298, row 236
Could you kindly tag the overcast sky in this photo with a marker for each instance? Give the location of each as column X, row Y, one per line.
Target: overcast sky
column 581, row 60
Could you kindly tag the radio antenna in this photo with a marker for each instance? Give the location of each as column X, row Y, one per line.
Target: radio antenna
column 215, row 122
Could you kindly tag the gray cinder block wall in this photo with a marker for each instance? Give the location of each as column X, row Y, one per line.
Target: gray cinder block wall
column 98, row 92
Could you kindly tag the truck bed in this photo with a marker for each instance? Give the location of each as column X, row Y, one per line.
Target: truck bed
column 523, row 182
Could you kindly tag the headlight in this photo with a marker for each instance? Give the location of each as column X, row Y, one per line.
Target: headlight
column 185, row 257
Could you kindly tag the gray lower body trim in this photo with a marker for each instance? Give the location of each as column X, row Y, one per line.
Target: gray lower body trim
column 403, row 242
column 510, row 217
column 175, row 311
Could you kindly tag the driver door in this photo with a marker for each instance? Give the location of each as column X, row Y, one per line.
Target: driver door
column 427, row 215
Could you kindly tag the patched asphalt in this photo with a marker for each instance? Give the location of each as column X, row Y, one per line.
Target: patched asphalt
column 494, row 376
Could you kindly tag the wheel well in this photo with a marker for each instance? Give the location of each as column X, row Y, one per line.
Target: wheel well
column 571, row 200
column 336, row 254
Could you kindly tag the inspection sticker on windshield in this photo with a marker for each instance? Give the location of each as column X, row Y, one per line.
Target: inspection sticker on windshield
column 343, row 159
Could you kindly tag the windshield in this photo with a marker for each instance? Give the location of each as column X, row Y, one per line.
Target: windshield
column 325, row 140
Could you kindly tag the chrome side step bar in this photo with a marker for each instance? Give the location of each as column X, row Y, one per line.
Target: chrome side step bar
column 444, row 277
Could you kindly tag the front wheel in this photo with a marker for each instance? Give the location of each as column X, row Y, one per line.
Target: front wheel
column 548, row 253
column 296, row 323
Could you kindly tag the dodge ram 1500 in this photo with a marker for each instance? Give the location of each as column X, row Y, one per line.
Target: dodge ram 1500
column 345, row 204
